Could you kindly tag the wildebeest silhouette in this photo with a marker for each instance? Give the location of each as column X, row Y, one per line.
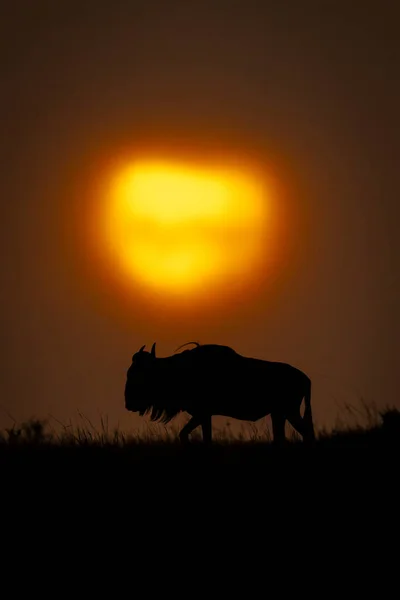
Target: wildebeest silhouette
column 212, row 379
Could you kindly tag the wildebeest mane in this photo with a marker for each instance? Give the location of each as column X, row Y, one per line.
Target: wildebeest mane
column 187, row 344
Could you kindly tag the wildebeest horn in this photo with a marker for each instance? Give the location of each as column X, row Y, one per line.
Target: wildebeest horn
column 153, row 350
column 142, row 348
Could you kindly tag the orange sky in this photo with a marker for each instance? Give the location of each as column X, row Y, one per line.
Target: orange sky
column 304, row 94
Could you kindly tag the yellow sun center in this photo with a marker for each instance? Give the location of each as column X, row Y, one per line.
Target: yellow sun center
column 180, row 230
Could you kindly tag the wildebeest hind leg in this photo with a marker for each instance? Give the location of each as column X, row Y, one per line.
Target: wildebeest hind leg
column 189, row 427
column 302, row 425
column 297, row 423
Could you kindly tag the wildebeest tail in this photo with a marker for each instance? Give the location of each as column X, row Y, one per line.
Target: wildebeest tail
column 308, row 420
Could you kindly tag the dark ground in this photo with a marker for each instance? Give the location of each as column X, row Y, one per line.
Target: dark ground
column 330, row 511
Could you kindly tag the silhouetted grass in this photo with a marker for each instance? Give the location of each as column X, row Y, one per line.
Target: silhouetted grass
column 377, row 430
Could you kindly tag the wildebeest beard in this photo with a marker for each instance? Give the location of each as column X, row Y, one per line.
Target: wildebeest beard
column 162, row 414
column 149, row 399
column 158, row 406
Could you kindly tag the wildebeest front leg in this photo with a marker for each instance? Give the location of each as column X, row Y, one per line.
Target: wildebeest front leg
column 207, row 429
column 189, row 427
column 278, row 428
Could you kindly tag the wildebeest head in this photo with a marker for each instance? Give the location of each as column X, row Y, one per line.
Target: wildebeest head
column 138, row 378
column 144, row 388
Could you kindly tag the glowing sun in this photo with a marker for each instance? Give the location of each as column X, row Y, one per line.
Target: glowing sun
column 180, row 230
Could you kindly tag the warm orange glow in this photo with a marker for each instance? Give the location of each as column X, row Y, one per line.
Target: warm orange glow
column 180, row 230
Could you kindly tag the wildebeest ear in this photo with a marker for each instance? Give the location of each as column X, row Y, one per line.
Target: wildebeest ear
column 142, row 348
column 153, row 350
